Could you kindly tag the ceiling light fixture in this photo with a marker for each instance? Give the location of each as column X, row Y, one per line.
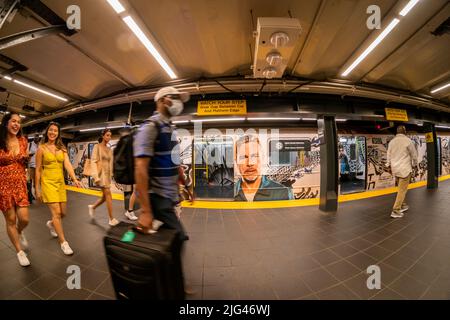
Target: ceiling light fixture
column 440, row 87
column 180, row 121
column 408, row 7
column 148, row 45
column 372, row 46
column 100, row 128
column 273, row 119
column 40, row 90
column 117, row 6
column 218, row 119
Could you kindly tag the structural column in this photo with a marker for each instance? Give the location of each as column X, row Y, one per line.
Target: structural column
column 328, row 163
column 432, row 156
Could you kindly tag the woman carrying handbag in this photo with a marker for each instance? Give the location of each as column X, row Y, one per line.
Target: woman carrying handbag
column 102, row 170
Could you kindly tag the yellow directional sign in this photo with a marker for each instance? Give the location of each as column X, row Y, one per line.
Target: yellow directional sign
column 396, row 114
column 221, row 107
column 429, row 137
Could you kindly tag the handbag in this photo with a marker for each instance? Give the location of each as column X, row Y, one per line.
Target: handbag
column 87, row 169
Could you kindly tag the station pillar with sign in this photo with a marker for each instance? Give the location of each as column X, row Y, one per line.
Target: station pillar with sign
column 328, row 163
column 432, row 156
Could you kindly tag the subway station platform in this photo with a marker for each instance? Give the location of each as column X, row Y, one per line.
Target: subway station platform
column 290, row 253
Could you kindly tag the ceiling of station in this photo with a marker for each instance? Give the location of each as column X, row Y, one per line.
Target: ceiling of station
column 214, row 39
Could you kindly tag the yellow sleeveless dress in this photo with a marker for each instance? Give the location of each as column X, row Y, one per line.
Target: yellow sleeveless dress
column 52, row 180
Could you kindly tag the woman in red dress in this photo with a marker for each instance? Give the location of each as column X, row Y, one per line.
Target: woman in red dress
column 13, row 183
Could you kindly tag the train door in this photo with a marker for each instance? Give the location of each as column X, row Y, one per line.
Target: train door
column 352, row 164
column 213, row 168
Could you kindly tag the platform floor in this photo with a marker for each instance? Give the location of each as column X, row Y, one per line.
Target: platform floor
column 295, row 253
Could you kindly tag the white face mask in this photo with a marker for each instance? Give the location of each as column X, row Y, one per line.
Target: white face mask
column 176, row 108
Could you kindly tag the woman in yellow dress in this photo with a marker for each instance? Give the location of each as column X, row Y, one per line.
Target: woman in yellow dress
column 51, row 158
column 102, row 158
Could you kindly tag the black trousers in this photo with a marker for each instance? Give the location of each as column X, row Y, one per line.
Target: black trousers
column 164, row 210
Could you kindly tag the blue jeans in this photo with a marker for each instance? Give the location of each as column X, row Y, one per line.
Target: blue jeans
column 164, row 210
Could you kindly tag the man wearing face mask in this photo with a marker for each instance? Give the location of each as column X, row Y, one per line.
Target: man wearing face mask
column 156, row 165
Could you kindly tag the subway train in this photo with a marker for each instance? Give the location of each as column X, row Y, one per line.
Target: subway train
column 288, row 157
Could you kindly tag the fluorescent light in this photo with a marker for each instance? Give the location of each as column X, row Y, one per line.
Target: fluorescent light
column 148, row 45
column 341, row 120
column 22, row 116
column 218, row 119
column 100, row 128
column 274, row 118
column 440, row 88
column 443, row 127
column 180, row 121
column 372, row 46
column 309, row 119
column 408, row 7
column 39, row 90
column 117, row 6
column 7, row 78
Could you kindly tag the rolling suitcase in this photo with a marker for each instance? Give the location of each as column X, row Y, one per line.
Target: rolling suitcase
column 148, row 267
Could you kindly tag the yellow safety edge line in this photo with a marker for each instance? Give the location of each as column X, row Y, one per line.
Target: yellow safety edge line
column 270, row 204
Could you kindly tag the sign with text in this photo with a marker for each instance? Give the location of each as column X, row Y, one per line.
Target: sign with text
column 396, row 114
column 291, row 145
column 221, row 107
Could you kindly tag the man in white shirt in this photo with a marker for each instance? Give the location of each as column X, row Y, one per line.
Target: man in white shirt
column 401, row 158
column 33, row 146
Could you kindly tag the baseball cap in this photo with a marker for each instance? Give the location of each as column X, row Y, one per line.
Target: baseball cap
column 184, row 96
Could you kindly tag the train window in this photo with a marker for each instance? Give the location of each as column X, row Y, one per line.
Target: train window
column 352, row 164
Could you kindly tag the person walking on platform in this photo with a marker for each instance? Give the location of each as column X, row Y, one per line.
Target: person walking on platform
column 51, row 158
column 156, row 171
column 102, row 159
column 401, row 158
column 13, row 183
column 33, row 146
column 129, row 213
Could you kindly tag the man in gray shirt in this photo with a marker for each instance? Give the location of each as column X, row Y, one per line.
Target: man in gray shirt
column 157, row 164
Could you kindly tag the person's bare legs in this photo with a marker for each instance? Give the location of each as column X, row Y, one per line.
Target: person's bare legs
column 108, row 198
column 100, row 201
column 132, row 201
column 23, row 218
column 11, row 228
column 57, row 214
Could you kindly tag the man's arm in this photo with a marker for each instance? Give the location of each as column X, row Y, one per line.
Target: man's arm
column 141, row 178
column 413, row 153
column 143, row 146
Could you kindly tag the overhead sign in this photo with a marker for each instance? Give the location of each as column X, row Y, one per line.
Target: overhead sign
column 221, row 107
column 429, row 137
column 396, row 114
column 291, row 145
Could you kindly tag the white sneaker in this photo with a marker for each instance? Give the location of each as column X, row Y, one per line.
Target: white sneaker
column 23, row 260
column 113, row 222
column 52, row 229
column 130, row 215
column 156, row 224
column 23, row 241
column 66, row 248
column 91, row 211
column 396, row 214
column 404, row 208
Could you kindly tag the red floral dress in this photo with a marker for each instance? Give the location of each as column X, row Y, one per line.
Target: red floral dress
column 13, row 179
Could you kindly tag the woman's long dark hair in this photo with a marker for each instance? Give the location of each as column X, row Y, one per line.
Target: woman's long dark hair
column 58, row 142
column 4, row 130
column 105, row 131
